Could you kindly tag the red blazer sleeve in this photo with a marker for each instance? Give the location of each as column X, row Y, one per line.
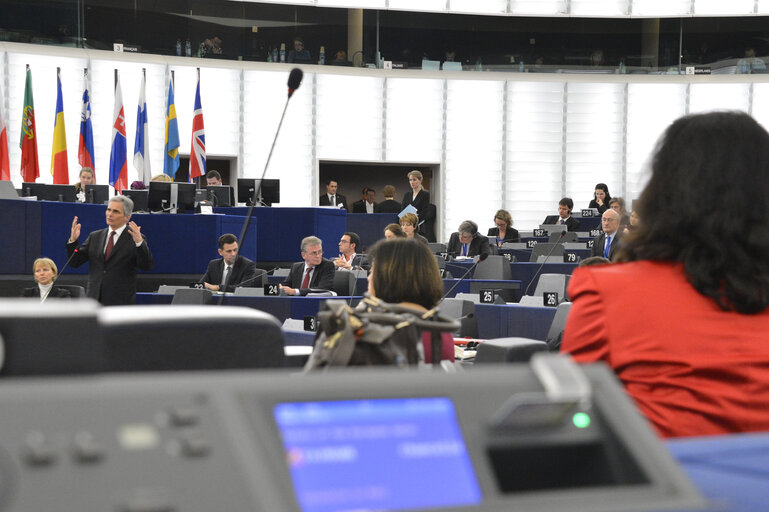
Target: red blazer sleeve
column 586, row 336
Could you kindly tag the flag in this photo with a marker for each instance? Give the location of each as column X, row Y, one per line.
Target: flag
column 142, row 141
column 30, row 169
column 118, row 164
column 5, row 167
column 85, row 145
column 198, row 148
column 171, row 160
column 59, row 168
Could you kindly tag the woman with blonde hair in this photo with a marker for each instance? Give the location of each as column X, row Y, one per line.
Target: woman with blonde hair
column 44, row 271
column 410, row 226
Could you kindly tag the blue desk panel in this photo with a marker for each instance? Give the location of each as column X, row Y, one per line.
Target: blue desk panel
column 506, row 321
column 369, row 226
column 19, row 222
column 281, row 230
column 522, row 271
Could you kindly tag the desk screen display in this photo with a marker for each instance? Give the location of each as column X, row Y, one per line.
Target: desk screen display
column 385, row 454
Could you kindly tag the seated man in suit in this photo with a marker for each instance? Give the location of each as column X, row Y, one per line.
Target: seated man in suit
column 314, row 272
column 466, row 241
column 232, row 268
column 389, row 205
column 606, row 243
column 113, row 254
column 366, row 204
column 565, row 206
column 348, row 247
column 331, row 198
column 44, row 271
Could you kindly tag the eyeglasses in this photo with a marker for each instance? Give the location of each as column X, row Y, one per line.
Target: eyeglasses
column 314, row 253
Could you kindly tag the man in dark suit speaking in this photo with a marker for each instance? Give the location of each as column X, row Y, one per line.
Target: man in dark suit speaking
column 313, row 272
column 231, row 268
column 113, row 253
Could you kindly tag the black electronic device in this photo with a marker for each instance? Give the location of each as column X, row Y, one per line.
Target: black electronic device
column 253, row 191
column 514, row 438
column 29, row 189
column 96, row 194
column 220, row 195
column 48, row 192
column 140, row 199
column 171, row 197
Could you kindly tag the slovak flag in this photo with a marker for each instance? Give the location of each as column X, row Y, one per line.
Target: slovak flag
column 142, row 141
column 118, row 166
column 85, row 145
column 198, row 149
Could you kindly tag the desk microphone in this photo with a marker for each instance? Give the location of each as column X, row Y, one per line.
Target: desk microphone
column 481, row 258
column 536, row 274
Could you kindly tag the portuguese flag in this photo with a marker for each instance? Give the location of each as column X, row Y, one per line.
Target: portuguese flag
column 30, row 170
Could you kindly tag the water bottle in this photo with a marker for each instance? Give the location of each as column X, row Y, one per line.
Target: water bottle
column 744, row 69
column 188, row 48
column 521, row 67
column 322, row 55
column 622, row 68
column 283, row 52
column 269, row 55
column 275, row 54
column 178, row 47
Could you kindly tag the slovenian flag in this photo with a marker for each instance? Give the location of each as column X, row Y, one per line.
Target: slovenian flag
column 142, row 142
column 171, row 160
column 118, row 165
column 198, row 149
column 85, row 145
column 59, row 168
column 5, row 165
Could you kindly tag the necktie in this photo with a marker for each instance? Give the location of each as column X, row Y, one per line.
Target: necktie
column 306, row 280
column 464, row 249
column 563, row 222
column 333, row 200
column 608, row 246
column 226, row 280
column 110, row 245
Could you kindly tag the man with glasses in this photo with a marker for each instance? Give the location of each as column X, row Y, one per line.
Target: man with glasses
column 467, row 242
column 606, row 244
column 313, row 273
column 348, row 247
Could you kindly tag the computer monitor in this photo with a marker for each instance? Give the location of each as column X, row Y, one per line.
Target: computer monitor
column 220, row 195
column 96, row 194
column 170, row 197
column 29, row 189
column 268, row 193
column 140, row 199
column 60, row 193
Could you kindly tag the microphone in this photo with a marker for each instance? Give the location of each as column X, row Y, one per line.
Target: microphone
column 536, row 274
column 294, row 80
column 77, row 250
column 256, row 276
column 481, row 258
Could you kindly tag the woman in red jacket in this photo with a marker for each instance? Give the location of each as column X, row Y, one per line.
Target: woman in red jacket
column 684, row 321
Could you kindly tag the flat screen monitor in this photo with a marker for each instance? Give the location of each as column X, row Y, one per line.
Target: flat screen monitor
column 96, row 194
column 170, row 197
column 220, row 195
column 61, row 193
column 29, row 189
column 268, row 192
column 140, row 199
column 380, row 454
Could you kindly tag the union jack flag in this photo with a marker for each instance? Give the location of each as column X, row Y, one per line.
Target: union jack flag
column 198, row 149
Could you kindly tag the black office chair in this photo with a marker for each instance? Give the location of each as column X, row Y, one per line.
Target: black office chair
column 77, row 292
column 553, row 251
column 344, row 283
column 555, row 333
column 180, row 337
column 192, row 296
column 568, row 236
column 464, row 311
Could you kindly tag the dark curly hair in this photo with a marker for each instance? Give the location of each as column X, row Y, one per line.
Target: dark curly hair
column 706, row 205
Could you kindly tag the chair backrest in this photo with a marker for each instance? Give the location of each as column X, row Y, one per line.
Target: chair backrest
column 531, row 301
column 180, row 337
column 440, row 261
column 344, row 282
column 293, row 324
column 557, row 326
column 75, row 291
column 192, row 296
column 546, row 249
column 552, row 283
column 50, row 338
column 508, row 350
column 567, row 236
column 464, row 311
column 437, row 247
column 281, row 272
column 494, row 267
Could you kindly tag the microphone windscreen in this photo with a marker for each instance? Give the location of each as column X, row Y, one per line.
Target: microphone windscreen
column 294, row 80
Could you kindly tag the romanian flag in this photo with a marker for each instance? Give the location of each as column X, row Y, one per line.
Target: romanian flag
column 59, row 169
column 171, row 160
column 198, row 149
column 85, row 144
column 30, row 168
column 118, row 163
column 142, row 141
column 5, row 167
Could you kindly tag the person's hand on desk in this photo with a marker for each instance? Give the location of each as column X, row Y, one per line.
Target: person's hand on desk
column 212, row 287
column 288, row 290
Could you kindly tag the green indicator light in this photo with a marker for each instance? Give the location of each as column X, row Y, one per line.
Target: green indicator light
column 581, row 420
